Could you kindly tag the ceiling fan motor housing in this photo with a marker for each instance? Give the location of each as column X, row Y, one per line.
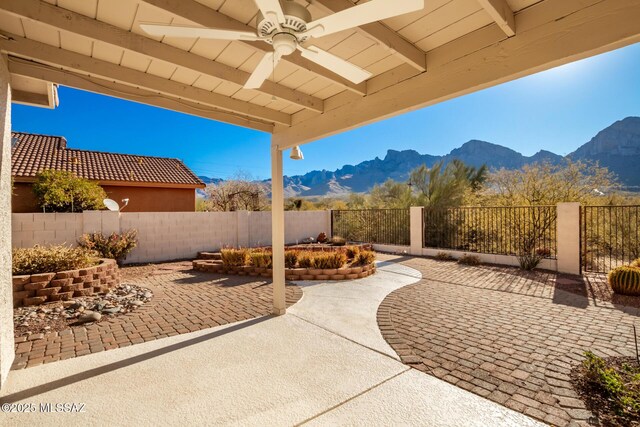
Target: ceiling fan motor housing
column 296, row 19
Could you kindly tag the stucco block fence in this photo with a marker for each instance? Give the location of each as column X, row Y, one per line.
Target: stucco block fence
column 37, row 289
column 165, row 236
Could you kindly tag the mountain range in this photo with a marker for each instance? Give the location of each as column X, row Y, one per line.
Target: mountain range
column 616, row 147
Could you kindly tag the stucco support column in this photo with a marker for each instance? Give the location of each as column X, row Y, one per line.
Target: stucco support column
column 415, row 230
column 6, row 288
column 568, row 235
column 277, row 230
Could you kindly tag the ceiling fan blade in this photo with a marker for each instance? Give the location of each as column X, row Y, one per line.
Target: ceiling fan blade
column 197, row 32
column 271, row 9
column 263, row 70
column 371, row 11
column 338, row 65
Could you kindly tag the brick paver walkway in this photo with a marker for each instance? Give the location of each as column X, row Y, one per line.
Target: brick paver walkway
column 509, row 336
column 184, row 301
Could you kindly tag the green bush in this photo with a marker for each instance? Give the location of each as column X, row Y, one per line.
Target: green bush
column 290, row 259
column 51, row 259
column 364, row 258
column 261, row 259
column 62, row 191
column 625, row 280
column 328, row 260
column 116, row 246
column 618, row 382
column 235, row 257
column 469, row 259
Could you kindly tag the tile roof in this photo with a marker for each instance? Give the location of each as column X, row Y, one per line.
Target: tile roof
column 33, row 153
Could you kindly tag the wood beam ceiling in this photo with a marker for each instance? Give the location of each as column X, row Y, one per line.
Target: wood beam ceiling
column 83, row 64
column 47, row 73
column 551, row 33
column 383, row 35
column 502, row 14
column 79, row 24
column 207, row 17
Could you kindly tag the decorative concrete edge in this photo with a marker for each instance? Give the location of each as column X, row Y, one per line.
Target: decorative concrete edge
column 36, row 289
column 349, row 273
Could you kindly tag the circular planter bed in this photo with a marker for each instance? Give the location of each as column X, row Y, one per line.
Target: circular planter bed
column 37, row 289
column 347, row 273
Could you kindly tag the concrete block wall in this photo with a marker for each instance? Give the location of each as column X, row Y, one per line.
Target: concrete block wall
column 167, row 235
column 179, row 235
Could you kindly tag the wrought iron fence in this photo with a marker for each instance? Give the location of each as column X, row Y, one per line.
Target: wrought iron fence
column 610, row 236
column 493, row 230
column 384, row 226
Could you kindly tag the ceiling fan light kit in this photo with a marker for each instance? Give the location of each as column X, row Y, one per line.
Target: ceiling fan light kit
column 287, row 24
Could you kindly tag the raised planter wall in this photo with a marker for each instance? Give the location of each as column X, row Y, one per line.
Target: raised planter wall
column 346, row 273
column 36, row 289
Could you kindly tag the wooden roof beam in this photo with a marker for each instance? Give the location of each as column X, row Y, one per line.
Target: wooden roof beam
column 501, row 13
column 117, row 90
column 585, row 30
column 383, row 35
column 76, row 62
column 79, row 24
column 207, row 17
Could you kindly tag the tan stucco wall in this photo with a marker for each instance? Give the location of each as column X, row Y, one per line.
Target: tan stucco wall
column 147, row 199
column 141, row 199
column 6, row 288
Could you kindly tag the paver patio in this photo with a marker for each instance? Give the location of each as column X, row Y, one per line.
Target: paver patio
column 184, row 301
column 509, row 336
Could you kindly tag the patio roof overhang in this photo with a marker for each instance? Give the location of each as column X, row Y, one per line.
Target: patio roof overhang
column 449, row 48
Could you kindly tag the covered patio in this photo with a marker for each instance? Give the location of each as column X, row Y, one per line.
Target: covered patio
column 446, row 49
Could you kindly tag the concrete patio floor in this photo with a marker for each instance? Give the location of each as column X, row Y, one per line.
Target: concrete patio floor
column 303, row 367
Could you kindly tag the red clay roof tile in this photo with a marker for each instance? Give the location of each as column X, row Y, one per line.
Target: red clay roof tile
column 33, row 153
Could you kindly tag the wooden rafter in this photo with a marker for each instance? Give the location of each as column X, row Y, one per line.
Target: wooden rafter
column 502, row 14
column 79, row 24
column 93, row 84
column 207, row 17
column 382, row 34
column 585, row 30
column 82, row 64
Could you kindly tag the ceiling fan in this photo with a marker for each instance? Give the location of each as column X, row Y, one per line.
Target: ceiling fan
column 288, row 24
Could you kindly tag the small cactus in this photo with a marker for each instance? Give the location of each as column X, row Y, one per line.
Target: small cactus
column 625, row 280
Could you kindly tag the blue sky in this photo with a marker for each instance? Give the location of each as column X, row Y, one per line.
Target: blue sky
column 557, row 110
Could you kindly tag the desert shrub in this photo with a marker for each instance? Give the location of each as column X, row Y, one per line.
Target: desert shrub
column 338, row 241
column 305, row 259
column 290, row 259
column 635, row 264
column 617, row 383
column 529, row 261
column 261, row 259
column 352, row 251
column 364, row 258
column 322, row 237
column 625, row 280
column 328, row 260
column 444, row 256
column 543, row 252
column 116, row 246
column 469, row 259
column 235, row 257
column 51, row 259
column 62, row 191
